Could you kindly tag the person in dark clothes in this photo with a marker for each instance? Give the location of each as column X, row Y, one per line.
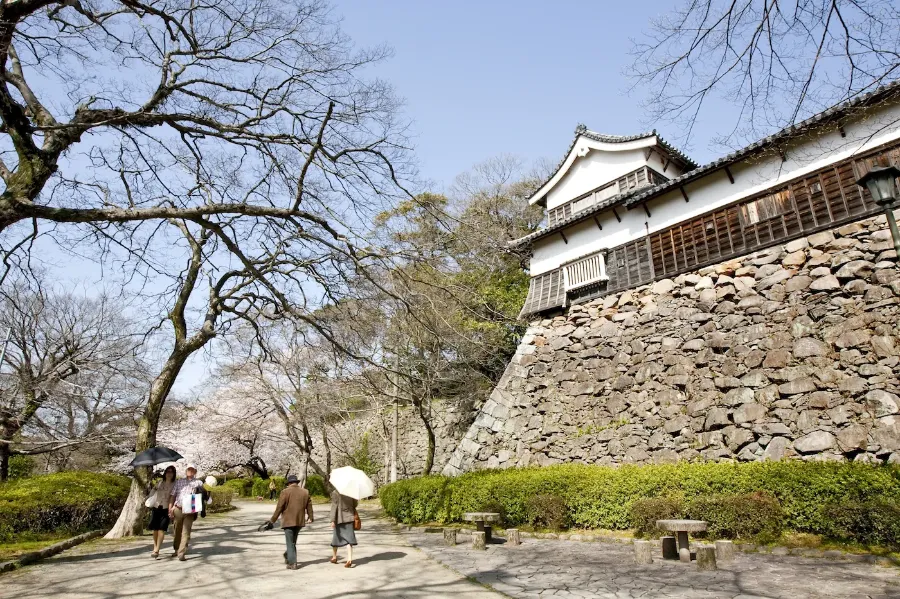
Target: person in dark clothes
column 343, row 512
column 295, row 508
column 159, row 512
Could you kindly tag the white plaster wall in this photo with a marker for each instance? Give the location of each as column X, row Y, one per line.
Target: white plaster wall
column 715, row 190
column 592, row 171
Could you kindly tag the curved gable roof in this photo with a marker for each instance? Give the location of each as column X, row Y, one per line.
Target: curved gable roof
column 581, row 131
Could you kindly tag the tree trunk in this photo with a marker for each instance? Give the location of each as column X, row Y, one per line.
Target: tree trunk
column 131, row 519
column 4, row 460
column 429, row 430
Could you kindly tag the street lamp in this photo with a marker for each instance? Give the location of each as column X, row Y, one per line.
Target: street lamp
column 882, row 184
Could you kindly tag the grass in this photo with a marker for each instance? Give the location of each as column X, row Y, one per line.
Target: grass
column 26, row 543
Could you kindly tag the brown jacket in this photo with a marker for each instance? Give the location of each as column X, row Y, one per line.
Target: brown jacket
column 293, row 506
column 342, row 508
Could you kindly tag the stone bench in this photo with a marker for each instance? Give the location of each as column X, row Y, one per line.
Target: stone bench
column 681, row 528
column 481, row 519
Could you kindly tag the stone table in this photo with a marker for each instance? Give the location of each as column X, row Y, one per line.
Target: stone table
column 681, row 528
column 479, row 518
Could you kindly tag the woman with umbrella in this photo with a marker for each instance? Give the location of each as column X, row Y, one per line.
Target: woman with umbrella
column 350, row 485
column 158, row 502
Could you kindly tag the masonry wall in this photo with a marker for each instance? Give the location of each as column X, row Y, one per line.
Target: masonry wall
column 787, row 353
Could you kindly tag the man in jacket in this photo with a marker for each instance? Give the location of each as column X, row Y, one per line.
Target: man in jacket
column 295, row 509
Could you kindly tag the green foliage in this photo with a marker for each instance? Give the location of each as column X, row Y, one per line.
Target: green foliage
column 755, row 516
column 361, row 458
column 21, row 466
column 547, row 511
column 261, row 486
column 242, row 487
column 873, row 522
column 602, row 497
column 315, row 484
column 66, row 502
column 645, row 513
column 220, row 499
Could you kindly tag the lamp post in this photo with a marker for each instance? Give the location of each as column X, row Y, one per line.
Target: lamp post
column 882, row 184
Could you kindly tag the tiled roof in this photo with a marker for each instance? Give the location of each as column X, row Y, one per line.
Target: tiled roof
column 636, row 197
column 581, row 130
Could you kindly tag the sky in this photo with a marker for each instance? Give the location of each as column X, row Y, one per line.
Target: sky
column 488, row 78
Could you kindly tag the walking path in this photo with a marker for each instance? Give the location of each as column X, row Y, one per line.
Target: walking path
column 229, row 559
column 539, row 568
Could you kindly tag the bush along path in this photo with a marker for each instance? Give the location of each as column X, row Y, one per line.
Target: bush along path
column 756, row 501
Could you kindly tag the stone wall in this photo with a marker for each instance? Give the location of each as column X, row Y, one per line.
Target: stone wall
column 791, row 352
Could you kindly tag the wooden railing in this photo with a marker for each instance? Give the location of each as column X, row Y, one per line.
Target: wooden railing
column 584, row 271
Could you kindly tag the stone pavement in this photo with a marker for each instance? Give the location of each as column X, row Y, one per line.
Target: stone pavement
column 541, row 568
column 228, row 559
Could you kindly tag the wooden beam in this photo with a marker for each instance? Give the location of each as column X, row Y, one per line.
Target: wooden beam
column 684, row 194
column 666, row 163
column 730, row 176
column 596, row 220
column 841, row 129
column 618, row 218
column 563, row 235
column 647, row 210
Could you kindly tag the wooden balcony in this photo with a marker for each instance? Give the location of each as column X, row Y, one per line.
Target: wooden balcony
column 585, row 271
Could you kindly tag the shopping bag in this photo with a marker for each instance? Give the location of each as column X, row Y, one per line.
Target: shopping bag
column 195, row 505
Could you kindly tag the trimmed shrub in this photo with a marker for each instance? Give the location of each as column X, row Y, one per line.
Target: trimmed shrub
column 261, row 485
column 602, row 497
column 66, row 502
column 242, row 487
column 315, row 484
column 220, row 499
column 872, row 522
column 748, row 516
column 547, row 511
column 645, row 513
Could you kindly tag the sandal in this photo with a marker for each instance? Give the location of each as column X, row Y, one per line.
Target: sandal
column 154, row 554
column 348, row 565
column 333, row 560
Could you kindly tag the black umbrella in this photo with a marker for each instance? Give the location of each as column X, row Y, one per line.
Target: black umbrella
column 154, row 456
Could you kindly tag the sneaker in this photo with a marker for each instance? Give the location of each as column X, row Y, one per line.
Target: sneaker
column 285, row 556
column 293, row 567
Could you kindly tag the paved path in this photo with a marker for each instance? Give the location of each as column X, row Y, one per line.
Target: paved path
column 539, row 568
column 228, row 559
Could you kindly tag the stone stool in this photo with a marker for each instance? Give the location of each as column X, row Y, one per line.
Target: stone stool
column 643, row 552
column 706, row 557
column 450, row 536
column 669, row 548
column 478, row 539
column 512, row 536
column 724, row 551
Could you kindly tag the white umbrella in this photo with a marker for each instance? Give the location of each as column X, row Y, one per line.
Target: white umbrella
column 352, row 482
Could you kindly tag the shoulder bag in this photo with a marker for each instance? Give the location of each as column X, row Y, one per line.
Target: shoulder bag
column 357, row 523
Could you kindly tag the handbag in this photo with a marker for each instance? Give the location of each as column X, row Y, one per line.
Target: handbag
column 357, row 523
column 151, row 499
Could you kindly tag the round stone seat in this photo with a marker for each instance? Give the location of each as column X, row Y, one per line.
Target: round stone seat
column 481, row 517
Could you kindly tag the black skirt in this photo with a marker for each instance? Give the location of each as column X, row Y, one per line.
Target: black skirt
column 159, row 519
column 343, row 535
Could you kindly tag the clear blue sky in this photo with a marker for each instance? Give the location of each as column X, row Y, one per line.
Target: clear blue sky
column 490, row 77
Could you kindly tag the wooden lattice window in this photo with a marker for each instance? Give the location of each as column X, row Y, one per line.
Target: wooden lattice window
column 544, row 292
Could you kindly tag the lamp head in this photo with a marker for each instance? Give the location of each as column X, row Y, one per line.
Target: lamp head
column 881, row 182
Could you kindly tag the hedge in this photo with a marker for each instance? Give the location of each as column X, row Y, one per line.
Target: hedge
column 259, row 487
column 220, row 499
column 67, row 502
column 602, row 496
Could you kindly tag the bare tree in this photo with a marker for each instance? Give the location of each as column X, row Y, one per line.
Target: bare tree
column 56, row 342
column 778, row 61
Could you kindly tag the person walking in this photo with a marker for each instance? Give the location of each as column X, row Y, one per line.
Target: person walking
column 343, row 515
column 158, row 502
column 272, row 489
column 180, row 509
column 295, row 508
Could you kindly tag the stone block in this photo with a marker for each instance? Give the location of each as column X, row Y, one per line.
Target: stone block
column 643, row 552
column 815, row 442
column 807, row 347
column 669, row 548
column 882, row 403
column 724, row 551
column 450, row 537
column 512, row 537
column 706, row 557
column 478, row 540
column 826, row 283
